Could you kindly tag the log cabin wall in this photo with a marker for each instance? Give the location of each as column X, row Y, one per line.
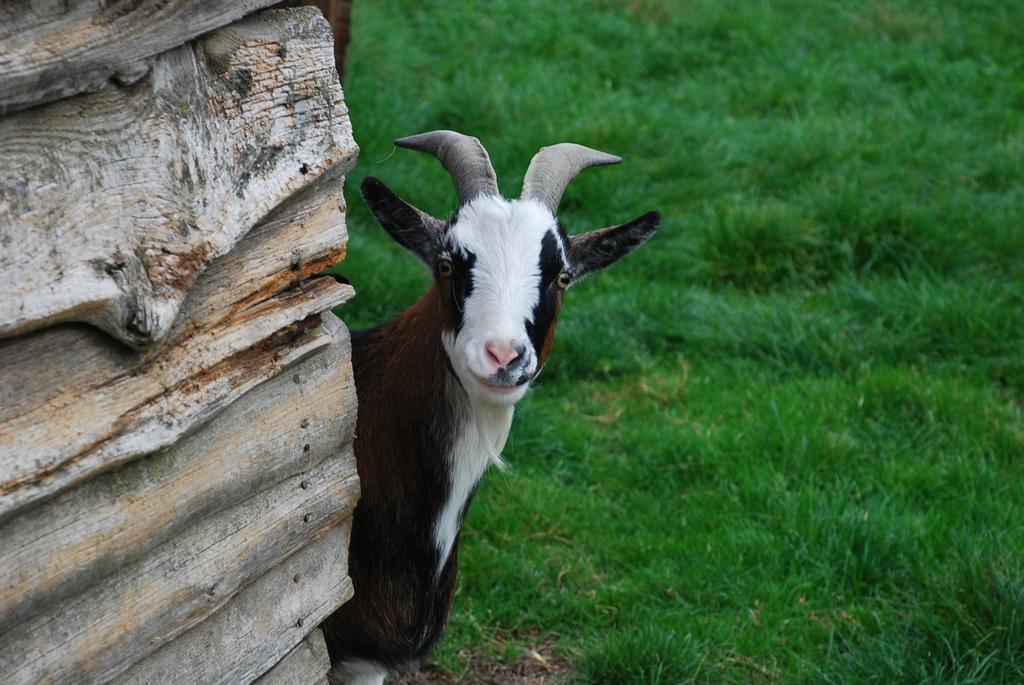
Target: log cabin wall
column 176, row 397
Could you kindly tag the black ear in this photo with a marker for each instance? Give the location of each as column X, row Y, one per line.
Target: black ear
column 597, row 249
column 411, row 228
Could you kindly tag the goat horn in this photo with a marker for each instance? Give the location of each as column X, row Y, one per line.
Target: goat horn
column 554, row 166
column 462, row 156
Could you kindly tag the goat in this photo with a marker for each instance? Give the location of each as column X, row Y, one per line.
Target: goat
column 437, row 385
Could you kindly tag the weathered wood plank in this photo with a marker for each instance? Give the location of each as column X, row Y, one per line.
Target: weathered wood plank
column 69, row 391
column 260, row 625
column 97, row 634
column 307, row 664
column 112, row 203
column 339, row 15
column 293, row 243
column 298, row 239
column 276, row 431
column 87, row 431
column 51, row 49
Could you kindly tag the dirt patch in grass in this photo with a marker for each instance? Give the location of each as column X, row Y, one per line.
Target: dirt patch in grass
column 538, row 665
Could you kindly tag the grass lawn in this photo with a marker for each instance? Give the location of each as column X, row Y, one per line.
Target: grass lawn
column 783, row 441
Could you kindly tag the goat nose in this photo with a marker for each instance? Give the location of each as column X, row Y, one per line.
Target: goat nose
column 501, row 354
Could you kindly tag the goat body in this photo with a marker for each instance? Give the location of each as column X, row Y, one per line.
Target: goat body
column 437, row 385
column 429, row 448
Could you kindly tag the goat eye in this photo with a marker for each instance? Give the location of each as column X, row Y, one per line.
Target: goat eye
column 445, row 268
column 563, row 280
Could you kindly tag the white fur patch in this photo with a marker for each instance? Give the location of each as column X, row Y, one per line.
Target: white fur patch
column 478, row 445
column 357, row 673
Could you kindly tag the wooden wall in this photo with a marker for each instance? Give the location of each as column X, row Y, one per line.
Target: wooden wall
column 176, row 398
column 339, row 15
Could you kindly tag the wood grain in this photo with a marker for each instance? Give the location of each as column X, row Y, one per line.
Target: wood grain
column 112, row 203
column 53, row 49
column 60, row 444
column 339, row 15
column 276, row 431
column 97, row 634
column 260, row 625
column 74, row 404
column 307, row 664
column 297, row 240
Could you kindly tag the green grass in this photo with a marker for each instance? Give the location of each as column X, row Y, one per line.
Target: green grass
column 783, row 442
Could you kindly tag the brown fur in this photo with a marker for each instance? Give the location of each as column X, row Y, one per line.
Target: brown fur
column 406, row 396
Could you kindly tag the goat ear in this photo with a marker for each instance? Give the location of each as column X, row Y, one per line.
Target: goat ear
column 597, row 249
column 411, row 228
